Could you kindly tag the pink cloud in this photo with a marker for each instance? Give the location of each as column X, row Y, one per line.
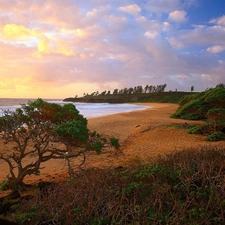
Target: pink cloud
column 178, row 16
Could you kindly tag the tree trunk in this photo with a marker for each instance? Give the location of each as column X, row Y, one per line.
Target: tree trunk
column 16, row 183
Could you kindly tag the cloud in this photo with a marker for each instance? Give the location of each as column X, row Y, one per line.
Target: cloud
column 203, row 36
column 131, row 9
column 21, row 33
column 178, row 16
column 219, row 21
column 216, row 49
column 162, row 6
column 97, row 44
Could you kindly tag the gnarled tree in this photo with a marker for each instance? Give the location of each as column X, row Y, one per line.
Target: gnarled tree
column 36, row 129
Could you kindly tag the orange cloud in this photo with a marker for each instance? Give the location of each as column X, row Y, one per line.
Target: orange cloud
column 21, row 33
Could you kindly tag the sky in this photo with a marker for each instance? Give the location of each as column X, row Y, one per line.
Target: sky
column 59, row 49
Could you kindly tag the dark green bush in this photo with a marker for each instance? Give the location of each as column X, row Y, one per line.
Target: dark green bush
column 197, row 105
column 193, row 110
column 216, row 136
column 115, row 142
column 194, row 130
column 215, row 97
column 98, row 146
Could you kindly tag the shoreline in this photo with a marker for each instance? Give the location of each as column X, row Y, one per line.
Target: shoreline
column 143, row 134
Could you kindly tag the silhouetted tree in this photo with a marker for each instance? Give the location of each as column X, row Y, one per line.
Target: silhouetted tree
column 130, row 90
column 220, row 85
column 115, row 92
column 103, row 93
column 146, row 88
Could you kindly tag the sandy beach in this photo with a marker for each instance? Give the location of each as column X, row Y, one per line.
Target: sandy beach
column 143, row 134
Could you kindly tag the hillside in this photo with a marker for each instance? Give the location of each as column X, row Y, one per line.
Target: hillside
column 198, row 105
column 208, row 106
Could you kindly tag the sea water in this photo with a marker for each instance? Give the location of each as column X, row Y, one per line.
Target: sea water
column 88, row 110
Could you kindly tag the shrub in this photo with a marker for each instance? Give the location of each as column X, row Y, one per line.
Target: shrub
column 4, row 185
column 25, row 218
column 115, row 142
column 216, row 118
column 192, row 110
column 97, row 147
column 215, row 97
column 194, row 130
column 216, row 136
column 197, row 105
column 185, row 187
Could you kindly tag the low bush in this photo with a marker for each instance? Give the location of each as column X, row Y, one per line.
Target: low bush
column 185, row 187
column 194, row 130
column 115, row 142
column 4, row 185
column 216, row 136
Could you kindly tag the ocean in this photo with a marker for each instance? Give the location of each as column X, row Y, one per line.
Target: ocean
column 88, row 110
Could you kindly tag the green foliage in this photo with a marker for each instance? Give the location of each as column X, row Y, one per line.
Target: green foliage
column 187, row 98
column 41, row 125
column 208, row 105
column 216, row 136
column 75, row 131
column 193, row 110
column 215, row 97
column 169, row 97
column 93, row 134
column 53, row 112
column 26, row 217
column 194, row 130
column 115, row 142
column 4, row 185
column 221, row 85
column 197, row 105
column 97, row 146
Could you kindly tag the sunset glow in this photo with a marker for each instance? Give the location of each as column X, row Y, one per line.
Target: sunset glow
column 59, row 49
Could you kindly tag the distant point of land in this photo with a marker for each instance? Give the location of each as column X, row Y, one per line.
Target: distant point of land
column 159, row 97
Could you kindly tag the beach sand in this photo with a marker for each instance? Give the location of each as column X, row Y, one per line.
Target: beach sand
column 143, row 134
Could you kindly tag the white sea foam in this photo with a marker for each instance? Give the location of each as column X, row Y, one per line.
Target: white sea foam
column 88, row 110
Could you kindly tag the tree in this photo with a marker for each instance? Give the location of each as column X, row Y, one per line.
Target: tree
column 146, row 88
column 130, row 90
column 164, row 87
column 103, row 93
column 192, row 88
column 115, row 92
column 35, row 129
column 220, row 85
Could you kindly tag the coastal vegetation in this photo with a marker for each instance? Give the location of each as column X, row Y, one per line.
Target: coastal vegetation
column 185, row 187
column 149, row 93
column 46, row 131
column 208, row 106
